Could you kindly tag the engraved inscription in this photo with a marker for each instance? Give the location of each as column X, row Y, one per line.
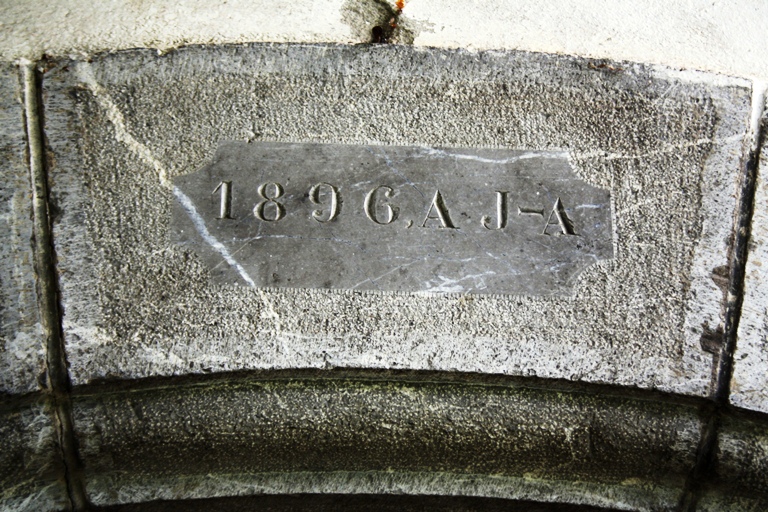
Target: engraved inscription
column 393, row 218
column 501, row 211
column 278, row 210
column 226, row 199
column 334, row 203
column 561, row 218
column 438, row 211
column 370, row 206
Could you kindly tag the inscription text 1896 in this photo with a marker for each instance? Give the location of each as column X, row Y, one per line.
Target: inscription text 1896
column 393, row 218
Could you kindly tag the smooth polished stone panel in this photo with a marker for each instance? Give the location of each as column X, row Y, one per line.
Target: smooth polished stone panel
column 392, row 218
column 749, row 385
column 21, row 339
column 123, row 127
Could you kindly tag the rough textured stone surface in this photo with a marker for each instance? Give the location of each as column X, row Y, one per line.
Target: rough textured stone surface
column 383, row 437
column 122, row 126
column 21, row 340
column 712, row 502
column 749, row 385
column 29, row 461
column 740, row 479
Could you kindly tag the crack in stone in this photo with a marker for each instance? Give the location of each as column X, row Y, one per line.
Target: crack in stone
column 85, row 73
column 671, row 148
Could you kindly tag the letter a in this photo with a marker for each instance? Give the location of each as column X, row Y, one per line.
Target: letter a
column 442, row 212
column 562, row 220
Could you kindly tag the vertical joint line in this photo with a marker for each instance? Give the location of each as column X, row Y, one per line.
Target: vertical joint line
column 742, row 231
column 706, row 451
column 57, row 385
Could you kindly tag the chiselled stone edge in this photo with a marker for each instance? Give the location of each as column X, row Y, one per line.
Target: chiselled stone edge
column 723, row 197
column 721, row 342
column 21, row 355
column 748, row 384
column 28, row 434
column 654, row 434
column 348, row 502
column 46, row 276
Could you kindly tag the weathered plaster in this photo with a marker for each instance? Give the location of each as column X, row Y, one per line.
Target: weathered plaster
column 724, row 37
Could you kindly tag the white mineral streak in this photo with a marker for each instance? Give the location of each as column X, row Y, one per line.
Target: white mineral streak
column 501, row 161
column 211, row 240
column 85, row 73
column 448, row 285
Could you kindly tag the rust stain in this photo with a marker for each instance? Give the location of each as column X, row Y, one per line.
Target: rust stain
column 400, row 4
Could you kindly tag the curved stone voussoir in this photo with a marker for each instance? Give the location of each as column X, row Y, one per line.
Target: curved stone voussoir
column 739, row 480
column 350, row 503
column 358, row 436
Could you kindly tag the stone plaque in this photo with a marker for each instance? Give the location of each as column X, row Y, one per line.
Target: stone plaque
column 393, row 218
column 137, row 138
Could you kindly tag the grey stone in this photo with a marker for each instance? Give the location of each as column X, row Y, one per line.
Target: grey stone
column 740, row 479
column 363, row 435
column 392, row 218
column 30, row 468
column 123, row 126
column 21, row 339
column 714, row 502
column 749, row 385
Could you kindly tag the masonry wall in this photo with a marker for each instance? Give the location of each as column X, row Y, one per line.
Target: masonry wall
column 144, row 366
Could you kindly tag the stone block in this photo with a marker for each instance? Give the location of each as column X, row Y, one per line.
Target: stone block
column 740, row 478
column 713, row 502
column 368, row 434
column 749, row 385
column 31, row 475
column 21, row 339
column 124, row 127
